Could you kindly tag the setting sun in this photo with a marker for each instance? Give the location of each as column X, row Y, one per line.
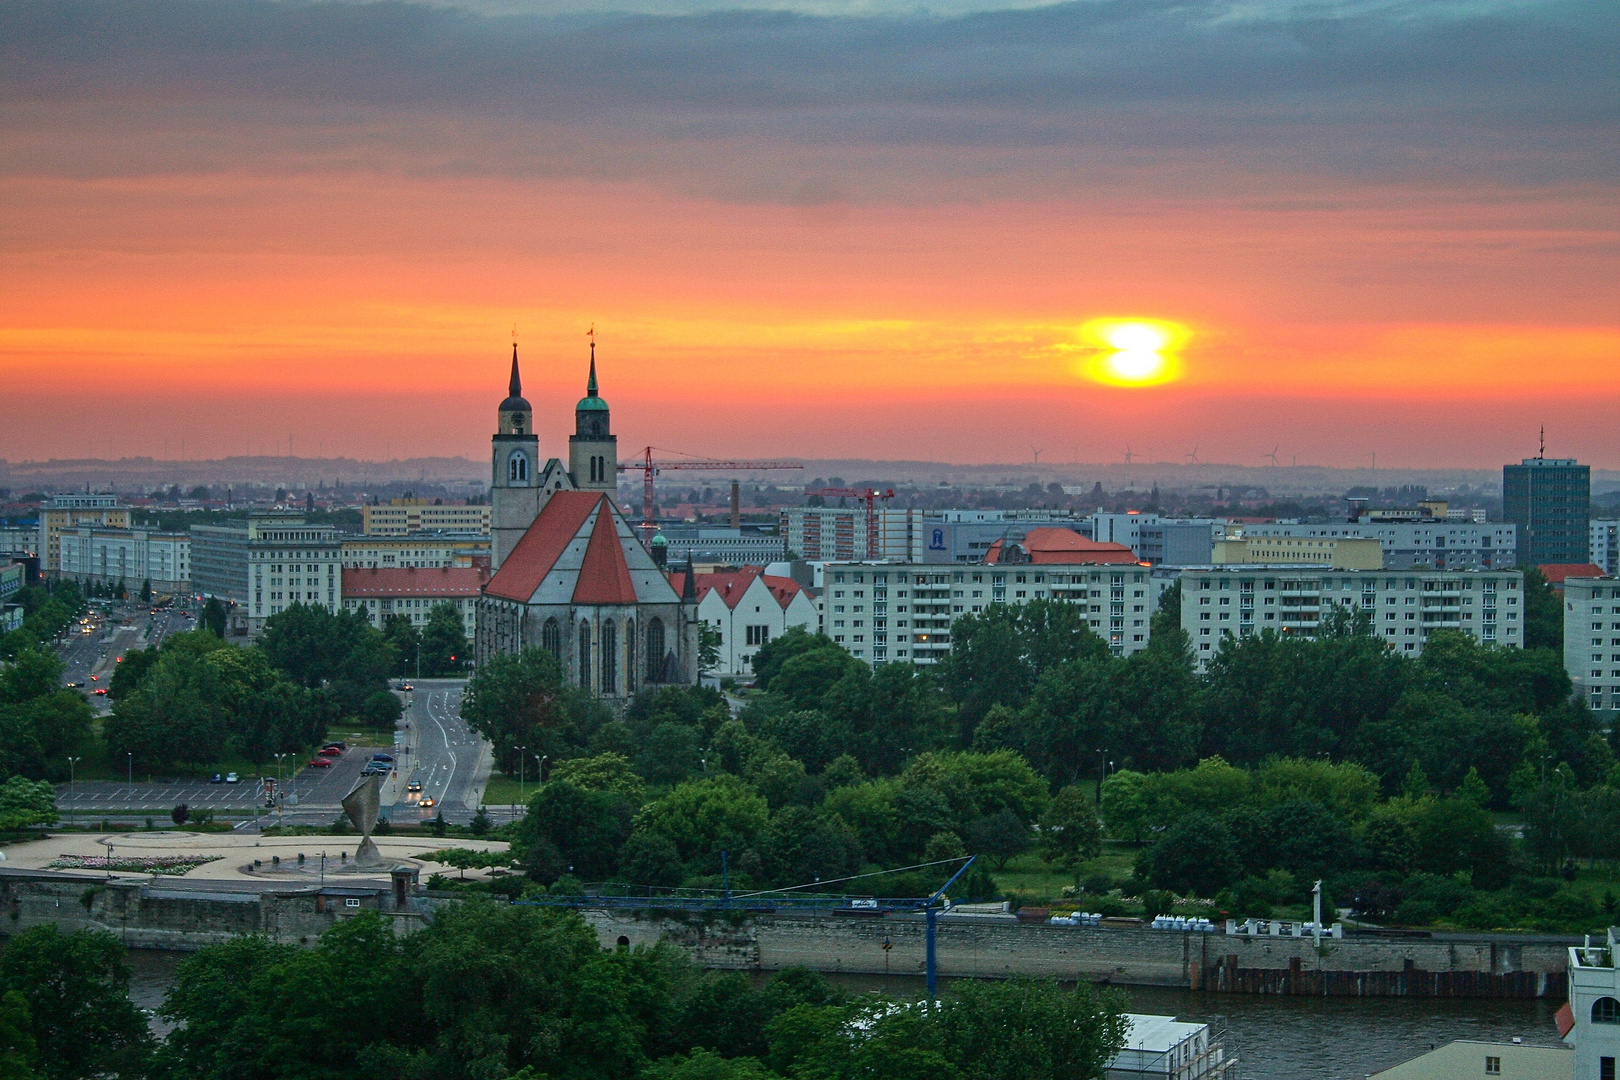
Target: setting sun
column 1132, row 352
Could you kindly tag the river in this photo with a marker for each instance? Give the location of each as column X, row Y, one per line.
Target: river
column 1275, row 1038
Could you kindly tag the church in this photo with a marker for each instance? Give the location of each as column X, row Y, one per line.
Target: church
column 570, row 574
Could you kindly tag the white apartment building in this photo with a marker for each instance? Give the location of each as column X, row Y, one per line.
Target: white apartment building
column 1605, row 544
column 426, row 550
column 749, row 608
column 414, row 592
column 889, row 611
column 403, row 516
column 1592, row 640
column 96, row 556
column 827, row 533
column 1406, row 606
column 1414, row 545
column 1590, row 1020
column 290, row 562
column 70, row 511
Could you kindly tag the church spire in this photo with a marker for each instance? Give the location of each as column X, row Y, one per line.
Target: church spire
column 590, row 384
column 515, row 387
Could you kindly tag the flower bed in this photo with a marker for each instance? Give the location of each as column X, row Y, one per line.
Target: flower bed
column 172, row 865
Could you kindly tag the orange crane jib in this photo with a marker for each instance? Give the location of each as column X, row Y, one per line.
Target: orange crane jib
column 650, row 468
column 869, row 497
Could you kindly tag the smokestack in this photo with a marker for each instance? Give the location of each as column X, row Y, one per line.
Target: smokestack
column 736, row 506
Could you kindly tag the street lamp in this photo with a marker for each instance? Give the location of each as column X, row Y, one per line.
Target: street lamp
column 280, row 795
column 520, row 751
column 540, row 769
column 131, row 755
column 72, row 761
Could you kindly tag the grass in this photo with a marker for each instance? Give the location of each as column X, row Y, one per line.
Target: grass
column 502, row 790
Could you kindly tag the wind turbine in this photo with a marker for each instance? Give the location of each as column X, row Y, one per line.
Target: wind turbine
column 1037, row 453
column 1192, row 455
column 1128, row 454
column 1273, row 455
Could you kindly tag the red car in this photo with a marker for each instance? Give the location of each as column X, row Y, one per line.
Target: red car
column 99, row 690
column 320, row 763
column 330, row 752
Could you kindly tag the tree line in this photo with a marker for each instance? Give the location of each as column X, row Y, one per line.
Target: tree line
column 505, row 992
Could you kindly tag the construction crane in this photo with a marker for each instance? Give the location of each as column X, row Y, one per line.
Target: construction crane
column 650, row 468
column 869, row 496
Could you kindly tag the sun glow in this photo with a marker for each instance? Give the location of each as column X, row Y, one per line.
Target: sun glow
column 1132, row 352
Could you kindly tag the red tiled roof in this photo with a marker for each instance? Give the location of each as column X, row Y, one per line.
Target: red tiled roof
column 604, row 576
column 538, row 550
column 457, row 581
column 1555, row 573
column 732, row 584
column 1565, row 1019
column 1053, row 545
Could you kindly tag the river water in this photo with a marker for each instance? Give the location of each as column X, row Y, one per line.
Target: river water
column 1275, row 1038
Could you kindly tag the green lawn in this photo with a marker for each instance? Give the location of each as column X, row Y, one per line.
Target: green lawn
column 503, row 790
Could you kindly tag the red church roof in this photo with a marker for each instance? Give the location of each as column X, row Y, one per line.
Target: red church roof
column 604, row 576
column 540, row 548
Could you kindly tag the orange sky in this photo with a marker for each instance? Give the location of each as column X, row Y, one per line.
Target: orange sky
column 366, row 308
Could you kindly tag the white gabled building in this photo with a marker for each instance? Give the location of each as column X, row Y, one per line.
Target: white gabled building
column 749, row 608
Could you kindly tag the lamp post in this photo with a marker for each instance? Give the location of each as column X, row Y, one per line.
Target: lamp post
column 521, row 750
column 72, row 761
column 131, row 755
column 540, row 770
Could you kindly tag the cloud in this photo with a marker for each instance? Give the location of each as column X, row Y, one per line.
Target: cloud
column 754, row 105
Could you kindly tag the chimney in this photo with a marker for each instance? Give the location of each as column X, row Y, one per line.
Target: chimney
column 736, row 506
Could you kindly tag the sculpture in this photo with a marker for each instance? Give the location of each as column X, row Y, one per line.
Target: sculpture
column 362, row 805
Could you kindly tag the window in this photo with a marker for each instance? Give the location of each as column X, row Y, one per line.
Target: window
column 1605, row 1068
column 655, row 650
column 585, row 655
column 610, row 658
column 352, row 901
column 517, row 468
column 758, row 635
column 1606, row 1010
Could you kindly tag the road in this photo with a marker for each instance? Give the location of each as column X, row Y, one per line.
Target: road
column 449, row 760
column 89, row 659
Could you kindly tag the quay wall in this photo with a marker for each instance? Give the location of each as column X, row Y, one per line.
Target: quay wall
column 185, row 916
column 1455, row 966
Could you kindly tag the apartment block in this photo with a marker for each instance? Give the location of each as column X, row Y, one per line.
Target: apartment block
column 1418, row 544
column 404, row 516
column 265, row 565
column 1550, row 500
column 94, row 556
column 1405, row 607
column 1343, row 553
column 1604, row 541
column 1592, row 640
column 422, row 550
column 69, row 512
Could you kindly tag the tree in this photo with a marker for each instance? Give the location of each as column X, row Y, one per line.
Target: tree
column 382, row 709
column 604, row 772
column 76, row 987
column 704, row 817
column 1070, row 831
column 213, row 617
column 1543, row 613
column 1195, row 855
column 974, row 785
column 19, row 1054
column 778, row 651
column 516, row 699
column 709, row 641
column 568, row 830
column 999, row 836
column 444, row 641
column 405, row 639
column 26, row 802
column 33, row 674
column 146, row 591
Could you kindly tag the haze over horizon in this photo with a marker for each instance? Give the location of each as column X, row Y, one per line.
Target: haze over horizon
column 821, row 230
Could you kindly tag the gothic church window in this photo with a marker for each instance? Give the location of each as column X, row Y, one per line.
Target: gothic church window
column 585, row 655
column 655, row 649
column 610, row 659
column 551, row 638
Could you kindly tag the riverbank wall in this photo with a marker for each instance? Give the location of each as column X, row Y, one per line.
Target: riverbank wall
column 185, row 915
column 1464, row 966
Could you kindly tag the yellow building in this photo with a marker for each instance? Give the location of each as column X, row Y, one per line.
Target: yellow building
column 403, row 516
column 1343, row 553
column 426, row 550
column 69, row 512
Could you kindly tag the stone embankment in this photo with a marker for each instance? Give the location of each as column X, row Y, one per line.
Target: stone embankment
column 184, row 914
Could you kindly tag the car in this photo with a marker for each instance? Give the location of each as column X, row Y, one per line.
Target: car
column 320, row 763
column 414, row 786
column 329, row 752
column 100, row 690
column 382, row 757
column 339, row 746
column 427, row 802
column 406, row 686
column 374, row 770
column 232, row 778
column 217, row 779
column 75, row 685
column 95, row 678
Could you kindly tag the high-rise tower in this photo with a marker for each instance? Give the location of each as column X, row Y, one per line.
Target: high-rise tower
column 514, row 482
column 593, row 449
column 1550, row 500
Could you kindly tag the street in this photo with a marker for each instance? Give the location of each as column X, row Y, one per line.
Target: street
column 451, row 762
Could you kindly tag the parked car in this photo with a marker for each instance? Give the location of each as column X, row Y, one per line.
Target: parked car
column 219, row 778
column 383, row 757
column 330, row 752
column 320, row 763
column 339, row 746
column 232, row 778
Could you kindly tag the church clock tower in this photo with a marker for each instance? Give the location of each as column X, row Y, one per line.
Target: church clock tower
column 593, row 449
column 514, row 483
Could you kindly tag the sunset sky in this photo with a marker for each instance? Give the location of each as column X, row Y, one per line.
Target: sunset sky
column 828, row 229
